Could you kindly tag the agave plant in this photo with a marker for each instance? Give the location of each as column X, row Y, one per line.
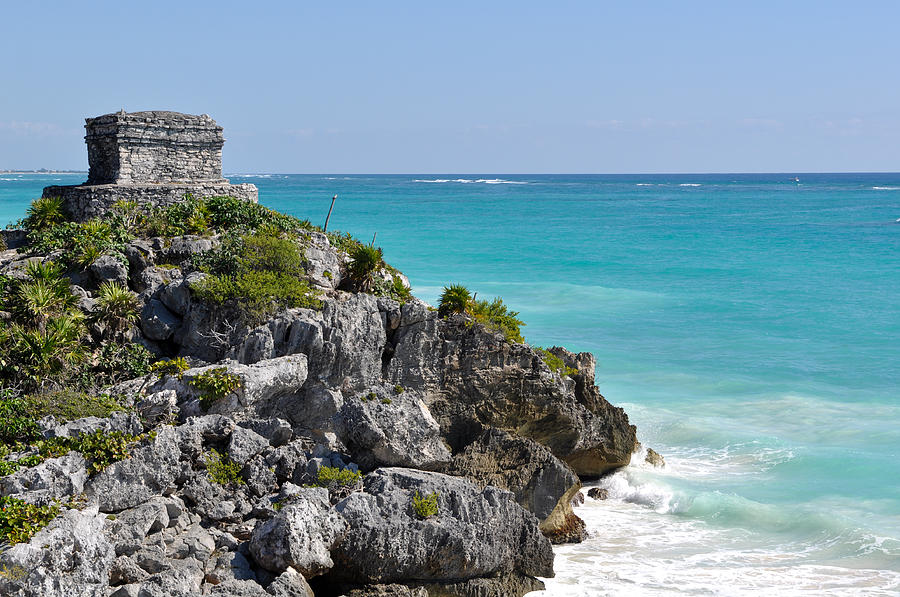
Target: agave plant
column 364, row 263
column 44, row 212
column 49, row 271
column 455, row 299
column 115, row 310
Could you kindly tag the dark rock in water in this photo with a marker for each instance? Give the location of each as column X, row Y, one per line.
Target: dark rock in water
column 571, row 531
column 578, row 500
column 476, row 533
column 541, row 483
column 598, row 493
column 654, row 458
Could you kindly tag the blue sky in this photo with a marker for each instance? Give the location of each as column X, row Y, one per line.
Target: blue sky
column 506, row 87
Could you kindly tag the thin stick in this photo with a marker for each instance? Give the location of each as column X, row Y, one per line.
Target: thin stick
column 328, row 217
column 372, row 244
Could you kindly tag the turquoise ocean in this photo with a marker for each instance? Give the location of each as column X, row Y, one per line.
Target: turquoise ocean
column 748, row 323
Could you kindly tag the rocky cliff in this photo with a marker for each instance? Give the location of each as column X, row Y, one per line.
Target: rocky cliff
column 364, row 447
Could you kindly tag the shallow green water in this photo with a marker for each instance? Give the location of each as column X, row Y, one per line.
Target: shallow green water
column 750, row 325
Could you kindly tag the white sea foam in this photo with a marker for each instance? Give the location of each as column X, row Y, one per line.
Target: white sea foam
column 472, row 181
column 690, row 184
column 641, row 542
column 886, row 188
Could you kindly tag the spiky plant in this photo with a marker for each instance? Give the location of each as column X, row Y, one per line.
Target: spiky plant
column 44, row 213
column 115, row 310
column 365, row 261
column 41, row 355
column 49, row 271
column 455, row 299
column 39, row 300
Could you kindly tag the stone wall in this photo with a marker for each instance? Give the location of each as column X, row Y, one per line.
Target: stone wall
column 153, row 147
column 92, row 201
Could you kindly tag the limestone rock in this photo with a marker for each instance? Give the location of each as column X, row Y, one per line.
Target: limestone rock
column 598, row 493
column 55, row 478
column 384, row 428
column 654, row 458
column 476, row 533
column 245, row 444
column 541, row 483
column 157, row 322
column 290, row 583
column 107, row 268
column 74, row 563
column 301, row 535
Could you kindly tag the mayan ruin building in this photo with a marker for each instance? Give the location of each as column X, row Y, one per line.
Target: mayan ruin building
column 152, row 158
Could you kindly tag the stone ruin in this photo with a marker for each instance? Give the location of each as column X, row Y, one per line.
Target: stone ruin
column 151, row 158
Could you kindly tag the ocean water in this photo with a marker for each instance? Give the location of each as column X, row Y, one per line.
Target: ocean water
column 749, row 325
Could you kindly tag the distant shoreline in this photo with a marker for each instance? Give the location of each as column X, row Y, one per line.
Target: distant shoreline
column 43, row 171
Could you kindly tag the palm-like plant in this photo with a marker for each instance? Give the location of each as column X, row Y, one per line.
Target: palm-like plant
column 44, row 212
column 39, row 300
column 455, row 299
column 364, row 262
column 39, row 355
column 116, row 309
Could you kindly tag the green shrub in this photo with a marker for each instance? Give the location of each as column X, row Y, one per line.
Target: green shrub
column 35, row 357
column 82, row 243
column 343, row 241
column 19, row 520
column 44, row 213
column 17, row 422
column 454, row 299
column 115, row 310
column 365, row 261
column 425, row 506
column 496, row 316
column 173, row 367
column 332, row 477
column 230, row 213
column 555, row 363
column 386, row 401
column 214, row 384
column 116, row 362
column 220, row 469
column 398, row 388
column 101, row 448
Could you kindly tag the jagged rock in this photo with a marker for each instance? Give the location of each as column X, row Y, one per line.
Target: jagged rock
column 321, row 258
column 598, row 493
column 290, row 583
column 261, row 383
column 148, row 472
column 654, row 458
column 476, row 533
column 107, row 268
column 71, row 557
column 277, row 431
column 55, row 478
column 184, row 578
column 301, row 535
column 237, row 588
column 125, row 571
column 230, row 565
column 384, row 428
column 126, row 422
column 313, row 408
column 289, row 461
column 157, row 322
column 176, row 296
column 541, row 483
column 209, row 499
column 182, row 248
column 158, row 407
column 392, row 590
column 245, row 444
column 134, row 524
column 473, row 377
column 259, row 477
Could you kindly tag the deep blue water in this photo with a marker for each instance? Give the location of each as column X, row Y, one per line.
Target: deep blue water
column 749, row 324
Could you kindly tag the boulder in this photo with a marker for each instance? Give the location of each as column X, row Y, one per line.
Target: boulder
column 654, row 458
column 157, row 322
column 55, row 478
column 245, row 444
column 150, row 471
column 598, row 493
column 107, row 268
column 71, row 557
column 386, row 428
column 176, row 296
column 476, row 532
column 290, row 583
column 300, row 536
column 541, row 483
